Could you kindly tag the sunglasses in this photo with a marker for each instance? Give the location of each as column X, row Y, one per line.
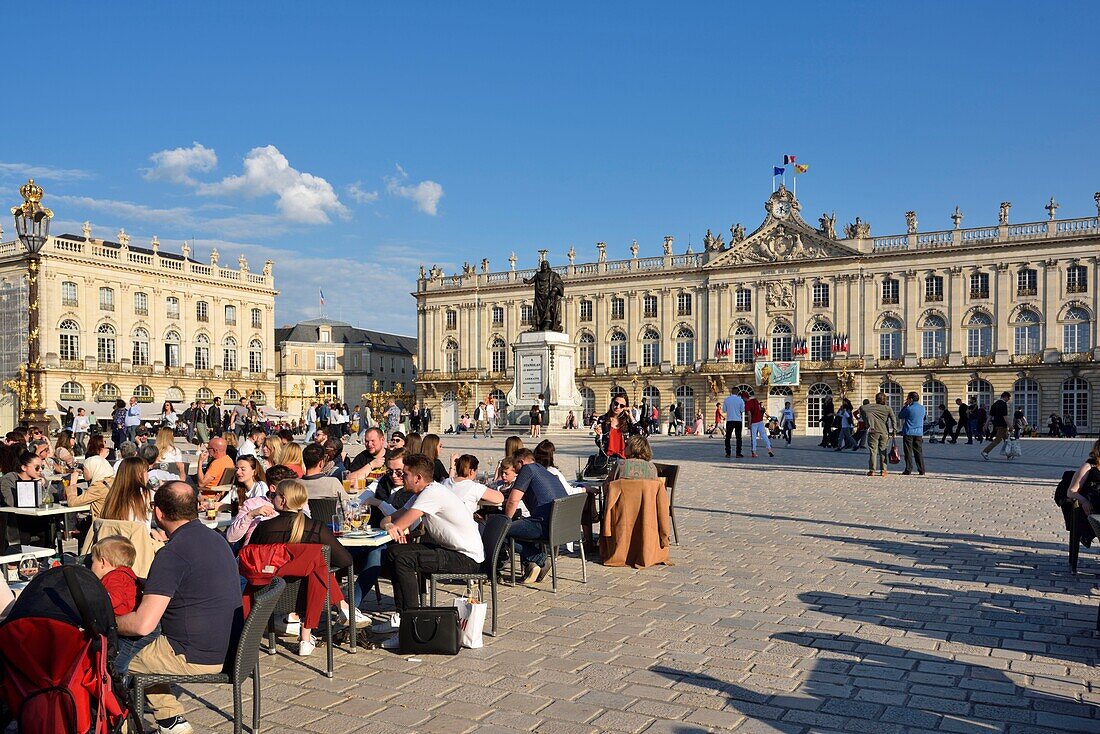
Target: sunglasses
column 397, row 472
column 620, row 405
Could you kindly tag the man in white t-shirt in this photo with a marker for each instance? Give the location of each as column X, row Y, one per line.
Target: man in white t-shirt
column 734, row 408
column 81, row 425
column 467, row 488
column 451, row 543
column 251, row 445
column 133, row 419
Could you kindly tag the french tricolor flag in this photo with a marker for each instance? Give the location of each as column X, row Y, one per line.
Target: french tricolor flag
column 788, row 160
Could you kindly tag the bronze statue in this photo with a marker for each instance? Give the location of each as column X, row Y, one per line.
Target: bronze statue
column 549, row 289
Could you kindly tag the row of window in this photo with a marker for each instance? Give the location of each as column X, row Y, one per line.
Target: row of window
column 1027, row 334
column 326, row 361
column 109, row 392
column 107, row 348
column 1027, row 284
column 69, row 297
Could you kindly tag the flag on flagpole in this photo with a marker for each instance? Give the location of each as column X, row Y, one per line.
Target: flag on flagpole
column 322, row 299
column 801, row 167
column 788, row 160
column 777, row 171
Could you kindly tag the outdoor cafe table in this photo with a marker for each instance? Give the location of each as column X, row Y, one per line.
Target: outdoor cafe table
column 57, row 514
column 32, row 551
column 222, row 521
column 367, row 539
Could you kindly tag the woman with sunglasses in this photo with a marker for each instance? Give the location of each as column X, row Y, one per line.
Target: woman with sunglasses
column 614, row 426
column 30, row 469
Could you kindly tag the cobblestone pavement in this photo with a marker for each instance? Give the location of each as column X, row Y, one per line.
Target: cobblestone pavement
column 805, row 596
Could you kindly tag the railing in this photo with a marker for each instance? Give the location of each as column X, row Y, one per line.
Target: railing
column 893, row 242
column 934, row 239
column 933, row 297
column 985, row 360
column 821, row 303
column 1076, row 357
column 933, row 362
column 229, row 274
column 889, row 300
column 204, row 373
column 1077, row 288
column 70, row 302
column 140, row 258
column 72, row 364
column 983, row 234
column 498, row 278
column 979, row 294
column 980, row 235
column 1027, row 291
column 649, row 263
column 1026, row 359
column 889, row 364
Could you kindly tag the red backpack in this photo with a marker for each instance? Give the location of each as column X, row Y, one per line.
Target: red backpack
column 54, row 651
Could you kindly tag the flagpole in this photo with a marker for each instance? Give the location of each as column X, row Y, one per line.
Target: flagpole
column 795, row 182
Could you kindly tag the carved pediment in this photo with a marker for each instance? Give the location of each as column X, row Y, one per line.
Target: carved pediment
column 782, row 237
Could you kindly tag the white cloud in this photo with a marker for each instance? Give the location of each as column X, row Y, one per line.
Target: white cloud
column 426, row 194
column 43, row 172
column 359, row 195
column 176, row 165
column 301, row 197
column 170, row 220
column 126, row 211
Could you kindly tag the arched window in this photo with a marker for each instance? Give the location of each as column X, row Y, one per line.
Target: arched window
column 106, row 351
column 979, row 392
column 229, row 353
column 588, row 400
column 815, row 398
column 889, row 338
column 140, row 352
column 651, row 394
column 259, row 397
column 743, row 337
column 1026, row 333
column 1075, row 331
column 782, row 342
column 1025, row 396
column 500, row 355
column 108, row 393
column 143, row 393
column 204, row 393
column 172, row 349
column 933, row 394
column 202, row 352
column 651, row 347
column 893, row 394
column 979, row 335
column 685, row 395
column 821, row 340
column 70, row 339
column 255, row 356
column 174, row 394
column 685, row 346
column 587, row 350
column 1075, row 401
column 746, row 389
column 72, row 391
column 934, row 337
column 232, row 395
column 450, row 356
column 618, row 349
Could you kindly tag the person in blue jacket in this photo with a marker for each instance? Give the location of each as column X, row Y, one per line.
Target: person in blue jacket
column 911, row 417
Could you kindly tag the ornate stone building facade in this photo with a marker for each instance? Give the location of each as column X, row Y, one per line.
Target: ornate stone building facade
column 960, row 313
column 120, row 320
column 322, row 358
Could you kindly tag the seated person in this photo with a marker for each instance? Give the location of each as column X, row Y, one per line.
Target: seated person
column 318, row 484
column 334, row 462
column 113, row 564
column 251, row 445
column 126, row 450
column 467, row 488
column 210, row 474
column 155, row 476
column 370, row 463
column 292, row 526
column 638, row 463
column 451, row 540
column 248, row 483
column 255, row 510
column 194, row 593
column 97, row 472
column 536, row 488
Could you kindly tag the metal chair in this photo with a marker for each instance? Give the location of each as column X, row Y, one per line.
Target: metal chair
column 228, row 476
column 243, row 661
column 322, row 509
column 563, row 526
column 288, row 603
column 492, row 539
column 668, row 472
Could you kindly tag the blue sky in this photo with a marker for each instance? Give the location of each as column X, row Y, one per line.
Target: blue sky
column 352, row 142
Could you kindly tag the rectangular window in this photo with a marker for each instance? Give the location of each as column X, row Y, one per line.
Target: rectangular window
column 979, row 285
column 979, row 341
column 326, row 336
column 1077, row 279
column 651, row 353
column 683, row 304
column 889, row 345
column 821, row 295
column 618, row 354
column 649, row 307
column 586, row 311
column 106, row 299
column 743, row 300
column 498, row 316
column 202, row 358
column 141, row 304
column 781, row 348
column 587, row 355
column 1027, row 339
column 326, row 388
column 1027, row 283
column 890, row 291
column 257, row 319
column 618, row 308
column 821, row 347
column 141, row 353
column 933, row 289
column 325, row 361
column 685, row 352
column 526, row 314
column 106, row 349
column 743, row 350
column 171, row 355
column 934, row 343
column 68, row 294
column 70, row 346
column 230, row 315
column 202, row 311
column 172, row 307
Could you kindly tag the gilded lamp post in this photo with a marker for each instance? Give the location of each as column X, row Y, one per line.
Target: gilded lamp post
column 32, row 225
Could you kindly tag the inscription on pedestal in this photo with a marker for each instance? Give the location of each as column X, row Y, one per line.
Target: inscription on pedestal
column 531, row 382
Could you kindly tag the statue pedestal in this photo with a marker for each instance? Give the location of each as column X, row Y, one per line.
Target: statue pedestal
column 545, row 365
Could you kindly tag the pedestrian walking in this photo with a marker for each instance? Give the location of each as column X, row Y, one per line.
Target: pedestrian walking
column 786, row 421
column 998, row 418
column 964, row 422
column 911, row 417
column 881, row 427
column 946, row 424
column 844, row 416
column 757, row 415
column 734, row 409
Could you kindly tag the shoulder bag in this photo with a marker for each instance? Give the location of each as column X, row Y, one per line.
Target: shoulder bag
column 429, row 631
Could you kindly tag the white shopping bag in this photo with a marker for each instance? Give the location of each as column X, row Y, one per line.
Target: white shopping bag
column 471, row 621
column 1013, row 451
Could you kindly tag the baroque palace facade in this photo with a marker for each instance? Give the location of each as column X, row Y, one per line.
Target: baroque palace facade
column 118, row 320
column 960, row 313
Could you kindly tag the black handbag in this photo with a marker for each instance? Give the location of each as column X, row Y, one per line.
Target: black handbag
column 429, row 631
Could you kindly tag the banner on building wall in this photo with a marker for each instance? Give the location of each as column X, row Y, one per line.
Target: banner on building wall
column 775, row 374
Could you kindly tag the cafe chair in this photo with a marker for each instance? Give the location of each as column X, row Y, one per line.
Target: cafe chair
column 563, row 526
column 668, row 472
column 242, row 662
column 492, row 539
column 322, row 509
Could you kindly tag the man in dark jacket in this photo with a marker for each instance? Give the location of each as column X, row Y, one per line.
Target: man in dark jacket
column 214, row 417
column 964, row 422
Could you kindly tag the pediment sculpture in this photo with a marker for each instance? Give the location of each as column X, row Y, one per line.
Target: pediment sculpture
column 779, row 295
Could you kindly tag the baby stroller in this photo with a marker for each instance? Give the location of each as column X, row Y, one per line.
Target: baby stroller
column 57, row 648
